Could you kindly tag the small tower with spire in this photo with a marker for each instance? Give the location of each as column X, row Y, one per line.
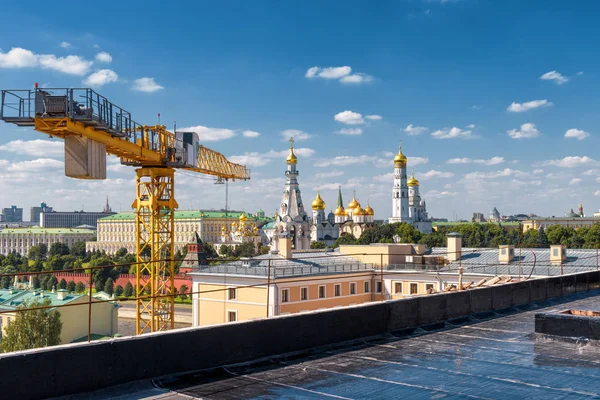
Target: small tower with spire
column 107, row 209
column 581, row 209
column 318, row 209
column 400, row 212
column 339, row 213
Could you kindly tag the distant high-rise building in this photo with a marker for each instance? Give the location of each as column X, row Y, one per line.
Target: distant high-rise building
column 12, row 214
column 107, row 209
column 35, row 212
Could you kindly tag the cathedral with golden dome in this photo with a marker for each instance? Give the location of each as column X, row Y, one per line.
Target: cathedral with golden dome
column 353, row 219
column 407, row 205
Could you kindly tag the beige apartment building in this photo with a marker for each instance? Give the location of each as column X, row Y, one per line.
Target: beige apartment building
column 21, row 239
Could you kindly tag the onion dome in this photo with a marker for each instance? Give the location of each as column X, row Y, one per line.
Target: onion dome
column 340, row 212
column 243, row 217
column 353, row 204
column 413, row 181
column 318, row 204
column 369, row 211
column 359, row 211
column 400, row 159
column 291, row 158
column 223, row 229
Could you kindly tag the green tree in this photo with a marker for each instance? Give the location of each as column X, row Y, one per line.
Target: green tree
column 345, row 238
column 62, row 284
column 407, row 233
column 51, row 283
column 122, row 252
column 128, row 290
column 183, row 289
column 35, row 282
column 245, row 250
column 542, row 238
column 78, row 250
column 59, row 249
column 209, row 250
column 109, row 286
column 118, row 291
column 80, row 287
column 71, row 286
column 226, row 251
column 32, row 329
column 317, row 245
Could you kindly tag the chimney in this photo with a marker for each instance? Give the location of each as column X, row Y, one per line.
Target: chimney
column 61, row 294
column 454, row 246
column 285, row 247
column 506, row 253
column 558, row 253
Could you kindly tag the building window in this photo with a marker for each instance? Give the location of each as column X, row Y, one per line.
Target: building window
column 285, row 295
column 367, row 286
column 429, row 287
column 321, row 292
column 231, row 293
column 378, row 287
column 337, row 290
column 304, row 293
column 409, row 259
column 555, row 252
column 413, row 288
column 397, row 287
column 503, row 252
column 352, row 288
column 231, row 316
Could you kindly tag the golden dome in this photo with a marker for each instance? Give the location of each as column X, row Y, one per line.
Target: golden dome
column 353, row 204
column 359, row 211
column 291, row 158
column 318, row 203
column 339, row 212
column 243, row 217
column 369, row 211
column 413, row 181
column 400, row 159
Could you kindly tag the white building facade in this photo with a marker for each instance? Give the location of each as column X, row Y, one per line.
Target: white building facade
column 20, row 240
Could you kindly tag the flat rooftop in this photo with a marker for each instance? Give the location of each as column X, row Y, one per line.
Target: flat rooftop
column 491, row 355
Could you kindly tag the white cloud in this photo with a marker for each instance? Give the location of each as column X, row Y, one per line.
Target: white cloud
column 527, row 131
column 555, row 76
column 389, row 177
column 207, row 134
column 495, row 174
column 341, row 161
column 538, row 171
column 296, row 134
column 356, row 78
column 256, row 159
column 39, row 164
column 343, row 74
column 147, row 85
column 597, row 193
column 101, row 78
column 491, row 161
column 576, row 134
column 388, row 162
column 251, row 134
column 104, row 57
column 374, row 117
column 350, row 131
column 299, row 151
column 570, row 162
column 22, row 58
column 349, row 118
column 471, row 126
column 331, row 174
column 453, row 133
column 529, row 105
column 37, row 147
column 415, row 130
column 65, row 45
column 476, row 107
column 575, row 181
column 18, row 58
column 436, row 194
column 580, row 73
column 435, row 174
column 592, row 172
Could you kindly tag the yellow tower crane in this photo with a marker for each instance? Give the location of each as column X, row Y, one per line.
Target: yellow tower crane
column 93, row 127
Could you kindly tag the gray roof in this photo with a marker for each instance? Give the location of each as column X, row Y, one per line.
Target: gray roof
column 485, row 261
column 301, row 264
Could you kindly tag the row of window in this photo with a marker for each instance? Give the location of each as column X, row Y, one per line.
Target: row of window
column 413, row 287
column 337, row 291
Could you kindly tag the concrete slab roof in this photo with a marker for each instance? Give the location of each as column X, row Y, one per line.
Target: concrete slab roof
column 496, row 356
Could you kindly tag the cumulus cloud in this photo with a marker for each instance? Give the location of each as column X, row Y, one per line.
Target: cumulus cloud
column 251, row 134
column 342, row 74
column 18, row 57
column 415, row 130
column 296, row 134
column 527, row 131
column 437, row 194
column 104, row 57
column 39, row 164
column 341, row 161
column 435, row 174
column 575, row 181
column 101, row 78
column 147, row 85
column 256, row 159
column 207, row 134
column 576, row 134
column 37, row 147
column 331, row 174
column 495, row 174
column 491, row 161
column 570, row 162
column 374, row 117
column 529, row 105
column 597, row 193
column 350, row 131
column 554, row 76
column 453, row 133
column 65, row 45
column 538, row 171
column 388, row 162
column 349, row 118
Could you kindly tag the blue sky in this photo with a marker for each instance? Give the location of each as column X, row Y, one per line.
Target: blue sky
column 465, row 75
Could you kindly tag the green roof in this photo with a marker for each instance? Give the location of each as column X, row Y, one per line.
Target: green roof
column 10, row 301
column 127, row 216
column 10, row 231
column 454, row 223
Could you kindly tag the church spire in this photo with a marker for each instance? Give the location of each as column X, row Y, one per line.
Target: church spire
column 107, row 208
column 340, row 201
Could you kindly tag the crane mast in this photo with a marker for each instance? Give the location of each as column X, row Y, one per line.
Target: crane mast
column 93, row 127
